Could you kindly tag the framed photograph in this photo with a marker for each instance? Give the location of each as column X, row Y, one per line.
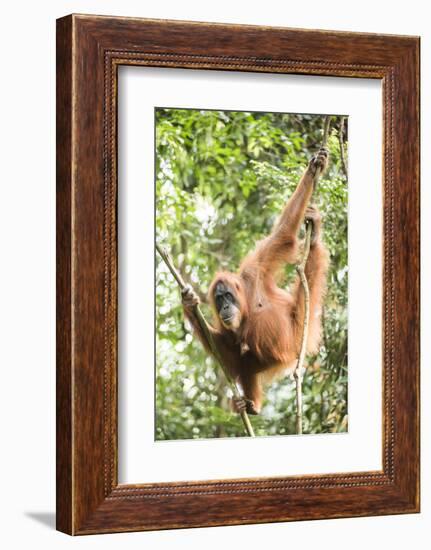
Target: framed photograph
column 237, row 274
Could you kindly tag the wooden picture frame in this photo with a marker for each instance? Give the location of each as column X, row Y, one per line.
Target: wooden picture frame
column 89, row 52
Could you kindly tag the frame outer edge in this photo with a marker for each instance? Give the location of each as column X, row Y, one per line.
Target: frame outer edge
column 407, row 274
column 81, row 507
column 64, row 367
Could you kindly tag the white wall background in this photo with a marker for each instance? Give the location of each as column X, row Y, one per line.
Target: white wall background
column 27, row 288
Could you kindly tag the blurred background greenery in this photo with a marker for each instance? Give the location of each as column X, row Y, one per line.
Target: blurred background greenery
column 222, row 179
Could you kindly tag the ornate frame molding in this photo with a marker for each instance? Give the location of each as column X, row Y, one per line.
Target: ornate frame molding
column 89, row 498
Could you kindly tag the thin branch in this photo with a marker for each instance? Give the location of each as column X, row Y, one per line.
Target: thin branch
column 300, row 268
column 203, row 324
column 187, row 280
column 341, row 142
column 326, row 125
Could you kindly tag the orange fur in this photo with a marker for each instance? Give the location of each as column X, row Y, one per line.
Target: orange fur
column 268, row 340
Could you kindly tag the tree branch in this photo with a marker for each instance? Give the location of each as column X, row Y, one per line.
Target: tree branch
column 300, row 268
column 341, row 142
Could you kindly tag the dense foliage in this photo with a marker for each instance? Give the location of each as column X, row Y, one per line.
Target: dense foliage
column 222, row 179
